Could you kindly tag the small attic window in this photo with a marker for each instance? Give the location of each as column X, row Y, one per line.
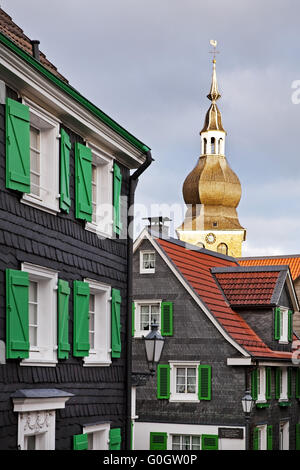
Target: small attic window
column 215, row 224
column 147, row 262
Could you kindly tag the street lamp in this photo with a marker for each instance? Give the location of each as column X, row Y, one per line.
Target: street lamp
column 154, row 344
column 247, row 405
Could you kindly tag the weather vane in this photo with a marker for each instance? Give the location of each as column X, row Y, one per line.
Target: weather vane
column 214, row 43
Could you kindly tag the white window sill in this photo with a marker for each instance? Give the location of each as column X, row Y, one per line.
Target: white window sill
column 92, row 227
column 283, row 341
column 37, row 363
column 96, row 363
column 147, row 271
column 186, row 399
column 38, row 204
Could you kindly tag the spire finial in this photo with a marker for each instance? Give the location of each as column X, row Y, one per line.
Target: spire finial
column 214, row 94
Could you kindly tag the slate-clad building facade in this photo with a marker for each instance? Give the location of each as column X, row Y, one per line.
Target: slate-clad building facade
column 227, row 329
column 65, row 180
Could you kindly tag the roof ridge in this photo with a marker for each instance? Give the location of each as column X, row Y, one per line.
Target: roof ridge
column 267, row 257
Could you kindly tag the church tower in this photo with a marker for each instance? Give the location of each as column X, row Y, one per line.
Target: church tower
column 212, row 191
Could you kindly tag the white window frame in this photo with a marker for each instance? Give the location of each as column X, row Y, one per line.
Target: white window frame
column 45, row 354
column 36, row 417
column 138, row 333
column 101, row 354
column 262, row 437
column 181, row 436
column 284, row 322
column 284, row 384
column 99, row 435
column 49, row 165
column 144, row 270
column 285, row 426
column 183, row 397
column 102, row 224
column 261, row 385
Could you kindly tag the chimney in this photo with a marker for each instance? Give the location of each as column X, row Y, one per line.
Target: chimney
column 35, row 49
column 157, row 227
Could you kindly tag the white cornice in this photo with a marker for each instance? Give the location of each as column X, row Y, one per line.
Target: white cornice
column 20, row 76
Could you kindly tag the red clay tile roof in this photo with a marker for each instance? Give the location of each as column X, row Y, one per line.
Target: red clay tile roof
column 248, row 288
column 292, row 260
column 195, row 267
column 16, row 34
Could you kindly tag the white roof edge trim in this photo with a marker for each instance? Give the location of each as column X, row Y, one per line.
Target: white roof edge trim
column 292, row 291
column 144, row 234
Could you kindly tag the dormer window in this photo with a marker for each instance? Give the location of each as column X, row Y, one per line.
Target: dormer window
column 283, row 324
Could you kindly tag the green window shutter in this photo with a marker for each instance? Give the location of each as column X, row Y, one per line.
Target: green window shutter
column 268, row 382
column 167, row 318
column 204, row 382
column 81, row 319
column 17, row 146
column 117, row 199
column 133, row 318
column 254, row 383
column 83, row 182
column 163, row 381
column 17, row 314
column 256, row 439
column 277, row 383
column 65, row 147
column 158, row 440
column 290, row 325
column 298, row 383
column 115, row 439
column 209, row 442
column 80, row 442
column 277, row 327
column 269, row 437
column 63, row 319
column 298, row 436
column 290, row 383
column 115, row 323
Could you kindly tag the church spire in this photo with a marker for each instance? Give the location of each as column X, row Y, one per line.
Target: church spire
column 214, row 94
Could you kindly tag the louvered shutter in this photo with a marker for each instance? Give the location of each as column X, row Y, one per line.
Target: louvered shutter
column 158, row 440
column 277, row 323
column 80, row 442
column 63, row 319
column 278, row 383
column 167, row 318
column 115, row 323
column 290, row 325
column 268, row 382
column 65, row 147
column 17, row 314
column 254, row 384
column 256, row 439
column 83, row 182
column 115, row 439
column 204, row 380
column 81, row 344
column 270, row 437
column 209, row 442
column 298, row 436
column 163, row 381
column 117, row 185
column 133, row 318
column 17, row 146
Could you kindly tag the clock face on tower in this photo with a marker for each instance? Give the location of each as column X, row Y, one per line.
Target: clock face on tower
column 210, row 238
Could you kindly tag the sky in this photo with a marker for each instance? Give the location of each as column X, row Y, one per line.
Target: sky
column 146, row 63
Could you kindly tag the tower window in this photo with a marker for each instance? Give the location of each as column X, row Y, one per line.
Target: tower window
column 221, row 146
column 215, row 224
column 222, row 248
column 204, row 145
column 213, row 145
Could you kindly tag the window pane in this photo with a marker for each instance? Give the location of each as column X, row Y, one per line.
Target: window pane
column 35, row 156
column 175, row 442
column 185, row 442
column 33, row 312
column 92, row 321
column 195, row 442
column 31, row 442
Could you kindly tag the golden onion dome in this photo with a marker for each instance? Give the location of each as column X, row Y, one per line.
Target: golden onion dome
column 212, row 182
